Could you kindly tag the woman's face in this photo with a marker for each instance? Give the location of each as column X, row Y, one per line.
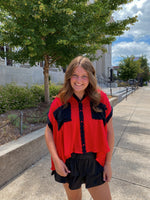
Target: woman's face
column 79, row 81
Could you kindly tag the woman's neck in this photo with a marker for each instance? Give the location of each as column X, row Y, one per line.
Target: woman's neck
column 79, row 95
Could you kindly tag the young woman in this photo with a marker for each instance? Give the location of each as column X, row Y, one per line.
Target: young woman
column 80, row 135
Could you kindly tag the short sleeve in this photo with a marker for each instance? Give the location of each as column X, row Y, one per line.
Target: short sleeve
column 109, row 109
column 50, row 119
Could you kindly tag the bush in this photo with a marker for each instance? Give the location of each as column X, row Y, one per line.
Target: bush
column 19, row 97
column 3, row 100
column 13, row 97
column 38, row 92
column 54, row 90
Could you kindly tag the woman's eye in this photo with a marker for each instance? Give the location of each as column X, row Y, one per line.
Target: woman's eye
column 74, row 75
column 84, row 77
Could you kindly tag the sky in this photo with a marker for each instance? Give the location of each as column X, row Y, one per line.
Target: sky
column 135, row 41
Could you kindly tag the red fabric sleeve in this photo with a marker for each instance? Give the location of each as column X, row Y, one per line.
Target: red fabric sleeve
column 52, row 123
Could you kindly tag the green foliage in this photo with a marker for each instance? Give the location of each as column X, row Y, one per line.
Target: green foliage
column 128, row 68
column 144, row 75
column 13, row 97
column 54, row 89
column 58, row 29
column 15, row 121
column 3, row 100
column 19, row 97
column 38, row 92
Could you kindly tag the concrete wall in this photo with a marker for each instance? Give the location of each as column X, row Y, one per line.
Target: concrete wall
column 57, row 77
column 21, row 76
column 27, row 76
column 34, row 75
column 18, row 155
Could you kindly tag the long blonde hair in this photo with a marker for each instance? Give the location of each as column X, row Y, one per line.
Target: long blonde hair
column 66, row 92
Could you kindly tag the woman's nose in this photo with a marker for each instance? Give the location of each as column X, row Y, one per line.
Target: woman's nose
column 79, row 78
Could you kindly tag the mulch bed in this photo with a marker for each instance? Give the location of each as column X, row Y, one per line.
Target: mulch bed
column 33, row 119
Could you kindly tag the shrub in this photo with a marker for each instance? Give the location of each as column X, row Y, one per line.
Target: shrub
column 13, row 97
column 3, row 100
column 19, row 97
column 54, row 90
column 38, row 92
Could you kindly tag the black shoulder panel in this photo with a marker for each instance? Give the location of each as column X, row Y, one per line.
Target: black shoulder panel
column 62, row 115
column 99, row 115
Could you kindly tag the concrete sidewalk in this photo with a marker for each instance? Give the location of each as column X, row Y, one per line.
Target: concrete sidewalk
column 131, row 159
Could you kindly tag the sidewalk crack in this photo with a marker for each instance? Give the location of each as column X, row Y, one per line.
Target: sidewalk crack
column 137, row 184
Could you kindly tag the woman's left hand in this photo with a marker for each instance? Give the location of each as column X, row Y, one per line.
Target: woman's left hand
column 107, row 174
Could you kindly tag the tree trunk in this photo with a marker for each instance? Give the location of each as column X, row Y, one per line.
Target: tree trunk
column 46, row 78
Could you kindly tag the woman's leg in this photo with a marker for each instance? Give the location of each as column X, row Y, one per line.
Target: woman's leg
column 73, row 194
column 101, row 192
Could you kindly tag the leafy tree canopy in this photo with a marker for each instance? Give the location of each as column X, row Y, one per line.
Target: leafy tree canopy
column 58, row 30
column 144, row 75
column 128, row 68
column 131, row 68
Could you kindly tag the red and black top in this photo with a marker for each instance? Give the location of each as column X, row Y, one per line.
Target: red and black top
column 78, row 128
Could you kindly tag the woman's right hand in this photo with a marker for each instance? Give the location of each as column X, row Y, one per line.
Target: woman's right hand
column 61, row 168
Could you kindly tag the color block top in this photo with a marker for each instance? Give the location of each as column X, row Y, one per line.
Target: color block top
column 77, row 128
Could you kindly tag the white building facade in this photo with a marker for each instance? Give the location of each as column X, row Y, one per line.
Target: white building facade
column 103, row 65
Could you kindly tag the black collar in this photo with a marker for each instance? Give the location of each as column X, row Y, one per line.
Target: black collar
column 79, row 100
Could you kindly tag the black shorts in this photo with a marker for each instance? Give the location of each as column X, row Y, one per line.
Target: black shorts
column 84, row 169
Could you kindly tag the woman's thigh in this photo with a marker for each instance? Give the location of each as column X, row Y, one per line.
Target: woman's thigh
column 73, row 194
column 100, row 192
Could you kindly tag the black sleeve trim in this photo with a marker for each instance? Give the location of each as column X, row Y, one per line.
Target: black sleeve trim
column 110, row 115
column 49, row 124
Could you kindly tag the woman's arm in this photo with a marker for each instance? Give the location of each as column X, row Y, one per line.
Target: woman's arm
column 110, row 137
column 60, row 166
